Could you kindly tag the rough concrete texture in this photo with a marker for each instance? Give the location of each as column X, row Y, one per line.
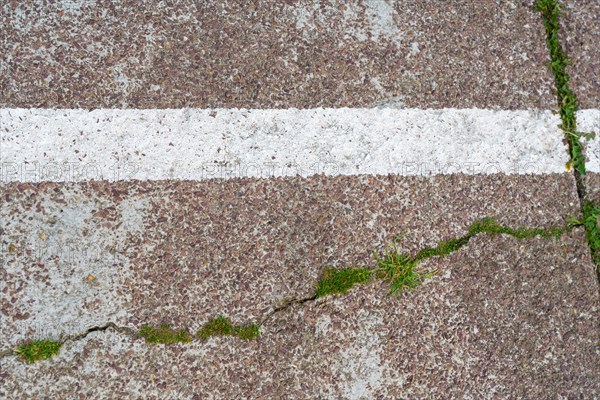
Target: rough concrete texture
column 580, row 34
column 189, row 250
column 268, row 54
column 503, row 319
column 592, row 186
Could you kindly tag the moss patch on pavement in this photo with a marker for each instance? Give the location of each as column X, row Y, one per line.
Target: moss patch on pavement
column 164, row 334
column 222, row 326
column 39, row 350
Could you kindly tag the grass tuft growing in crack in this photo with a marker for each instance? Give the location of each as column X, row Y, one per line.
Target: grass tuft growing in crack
column 339, row 281
column 400, row 270
column 38, row 350
column 222, row 326
column 164, row 334
column 591, row 219
column 567, row 101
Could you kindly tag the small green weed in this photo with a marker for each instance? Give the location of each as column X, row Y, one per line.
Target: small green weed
column 400, row 270
column 591, row 218
column 340, row 281
column 38, row 350
column 164, row 334
column 247, row 332
column 222, row 326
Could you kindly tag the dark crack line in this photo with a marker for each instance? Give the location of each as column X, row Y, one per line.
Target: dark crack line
column 285, row 306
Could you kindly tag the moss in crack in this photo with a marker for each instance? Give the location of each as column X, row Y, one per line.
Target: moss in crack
column 164, row 334
column 567, row 101
column 222, row 326
column 590, row 220
column 38, row 350
column 247, row 332
column 492, row 227
column 340, row 281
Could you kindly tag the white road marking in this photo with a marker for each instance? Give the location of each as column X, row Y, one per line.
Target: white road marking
column 110, row 144
column 589, row 121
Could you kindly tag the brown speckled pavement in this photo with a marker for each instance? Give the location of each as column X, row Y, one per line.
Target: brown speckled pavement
column 270, row 54
column 461, row 90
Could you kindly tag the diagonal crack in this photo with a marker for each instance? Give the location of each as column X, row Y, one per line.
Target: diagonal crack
column 399, row 269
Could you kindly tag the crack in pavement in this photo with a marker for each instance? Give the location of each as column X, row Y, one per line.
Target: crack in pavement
column 443, row 248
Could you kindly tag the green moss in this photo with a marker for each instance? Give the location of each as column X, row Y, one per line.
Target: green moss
column 38, row 350
column 340, row 281
column 164, row 334
column 400, row 268
column 591, row 216
column 567, row 102
column 222, row 326
column 490, row 226
column 247, row 332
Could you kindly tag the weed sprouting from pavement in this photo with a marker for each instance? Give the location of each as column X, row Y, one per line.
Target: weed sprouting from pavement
column 164, row 334
column 590, row 220
column 567, row 102
column 222, row 326
column 38, row 350
column 341, row 280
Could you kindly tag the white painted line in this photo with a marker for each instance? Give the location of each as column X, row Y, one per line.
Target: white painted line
column 589, row 121
column 106, row 144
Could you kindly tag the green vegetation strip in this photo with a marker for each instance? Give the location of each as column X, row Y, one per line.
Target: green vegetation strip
column 550, row 10
column 164, row 334
column 222, row 326
column 38, row 350
column 567, row 102
column 591, row 219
